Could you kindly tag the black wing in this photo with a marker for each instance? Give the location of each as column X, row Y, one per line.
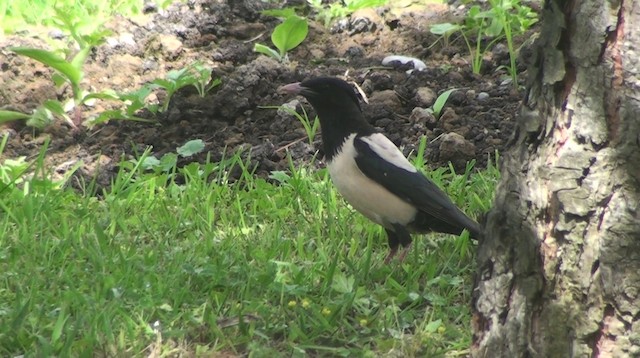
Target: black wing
column 413, row 187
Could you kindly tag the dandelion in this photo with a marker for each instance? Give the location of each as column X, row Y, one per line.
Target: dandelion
column 363, row 322
column 326, row 311
column 292, row 304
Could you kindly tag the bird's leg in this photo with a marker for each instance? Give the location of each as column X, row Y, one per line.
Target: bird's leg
column 392, row 238
column 404, row 252
column 397, row 236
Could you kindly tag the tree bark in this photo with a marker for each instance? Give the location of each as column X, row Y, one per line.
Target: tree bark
column 559, row 270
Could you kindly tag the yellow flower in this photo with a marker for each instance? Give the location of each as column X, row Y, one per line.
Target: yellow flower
column 292, row 303
column 442, row 329
column 363, row 322
column 326, row 311
column 306, row 303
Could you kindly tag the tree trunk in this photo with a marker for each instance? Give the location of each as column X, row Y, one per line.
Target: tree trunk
column 559, row 271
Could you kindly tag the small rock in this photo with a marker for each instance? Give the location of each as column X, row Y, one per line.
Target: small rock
column 354, row 52
column 425, row 97
column 423, row 115
column 483, row 96
column 317, row 54
column 171, row 46
column 56, row 34
column 286, row 110
column 455, row 148
column 245, row 31
column 234, row 140
column 128, row 39
column 149, row 7
column 384, row 122
column 450, row 120
column 112, row 42
column 506, row 82
column 471, row 94
column 387, row 97
column 404, row 62
column 455, row 76
column 180, row 30
column 149, row 65
column 500, row 52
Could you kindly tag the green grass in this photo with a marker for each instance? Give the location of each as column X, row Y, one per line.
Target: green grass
column 16, row 15
column 204, row 264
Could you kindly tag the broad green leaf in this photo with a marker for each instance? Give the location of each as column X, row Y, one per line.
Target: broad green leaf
column 267, row 51
column 444, row 28
column 150, row 162
column 106, row 94
column 354, row 5
column 174, row 75
column 80, row 57
column 168, row 161
column 40, row 118
column 55, row 107
column 343, row 284
column 289, row 34
column 191, row 147
column 7, row 116
column 433, row 326
column 496, row 26
column 162, row 83
column 59, row 79
column 52, row 60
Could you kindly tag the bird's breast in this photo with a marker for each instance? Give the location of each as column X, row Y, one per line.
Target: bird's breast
column 365, row 195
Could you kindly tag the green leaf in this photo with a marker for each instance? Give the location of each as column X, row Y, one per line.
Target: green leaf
column 441, row 101
column 444, row 28
column 106, row 94
column 80, row 57
column 191, row 147
column 433, row 326
column 290, row 34
column 7, row 116
column 168, row 162
column 40, row 118
column 52, row 60
column 495, row 29
column 267, row 51
column 59, row 325
column 354, row 5
column 343, row 284
column 150, row 162
column 54, row 106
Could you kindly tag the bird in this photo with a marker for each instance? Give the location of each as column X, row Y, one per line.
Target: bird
column 372, row 174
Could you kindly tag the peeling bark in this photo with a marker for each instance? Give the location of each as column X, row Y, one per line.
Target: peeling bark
column 559, row 272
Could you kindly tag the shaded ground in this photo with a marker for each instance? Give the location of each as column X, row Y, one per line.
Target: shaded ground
column 222, row 35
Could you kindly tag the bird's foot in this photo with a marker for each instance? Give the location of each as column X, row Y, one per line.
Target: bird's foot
column 404, row 252
column 390, row 255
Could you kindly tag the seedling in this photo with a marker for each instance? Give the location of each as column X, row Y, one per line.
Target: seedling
column 67, row 71
column 440, row 102
column 195, row 75
column 328, row 13
column 505, row 18
column 286, row 36
column 311, row 128
column 168, row 161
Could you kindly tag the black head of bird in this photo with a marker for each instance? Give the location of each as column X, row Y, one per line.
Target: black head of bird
column 372, row 174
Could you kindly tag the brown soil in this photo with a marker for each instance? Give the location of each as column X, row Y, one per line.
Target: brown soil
column 222, row 34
